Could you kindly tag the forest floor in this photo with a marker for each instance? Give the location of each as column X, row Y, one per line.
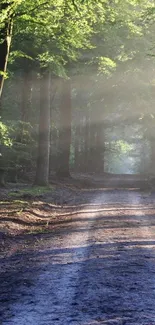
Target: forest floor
column 78, row 252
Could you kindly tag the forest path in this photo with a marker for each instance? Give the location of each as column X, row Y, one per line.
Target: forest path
column 97, row 267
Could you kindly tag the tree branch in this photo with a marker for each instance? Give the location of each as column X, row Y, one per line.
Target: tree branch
column 19, row 14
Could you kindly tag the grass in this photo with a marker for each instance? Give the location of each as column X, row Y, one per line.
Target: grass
column 14, row 203
column 4, row 202
column 20, row 202
column 35, row 231
column 32, row 191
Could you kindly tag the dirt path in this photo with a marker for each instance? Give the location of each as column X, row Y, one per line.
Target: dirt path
column 96, row 267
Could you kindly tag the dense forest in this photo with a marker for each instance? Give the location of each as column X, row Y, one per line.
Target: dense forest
column 77, row 88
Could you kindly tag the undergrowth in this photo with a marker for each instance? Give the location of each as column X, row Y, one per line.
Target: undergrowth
column 31, row 191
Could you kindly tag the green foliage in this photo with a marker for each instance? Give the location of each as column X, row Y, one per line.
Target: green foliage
column 8, row 9
column 18, row 54
column 5, row 138
column 119, row 158
column 56, row 32
column 106, row 65
column 4, row 74
column 21, row 132
column 19, row 148
column 55, row 35
column 123, row 147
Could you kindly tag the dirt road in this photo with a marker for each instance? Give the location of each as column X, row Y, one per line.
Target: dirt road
column 95, row 267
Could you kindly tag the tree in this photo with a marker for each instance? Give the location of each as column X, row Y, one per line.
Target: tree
column 7, row 12
column 63, row 169
column 42, row 171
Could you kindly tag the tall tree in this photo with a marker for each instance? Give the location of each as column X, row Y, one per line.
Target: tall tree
column 6, row 25
column 64, row 129
column 42, row 171
column 7, row 12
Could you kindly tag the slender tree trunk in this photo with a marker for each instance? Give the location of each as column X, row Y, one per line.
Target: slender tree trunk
column 5, row 42
column 76, row 148
column 65, row 130
column 92, row 156
column 99, row 148
column 86, row 141
column 54, row 149
column 77, row 139
column 53, row 132
column 82, row 143
column 42, row 172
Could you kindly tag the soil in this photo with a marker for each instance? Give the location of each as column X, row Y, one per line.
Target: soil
column 78, row 255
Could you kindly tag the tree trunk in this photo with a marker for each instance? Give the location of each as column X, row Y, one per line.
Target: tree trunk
column 65, row 130
column 77, row 148
column 42, row 172
column 54, row 149
column 54, row 129
column 26, row 96
column 5, row 42
column 92, row 156
column 99, row 148
column 82, row 143
column 86, row 141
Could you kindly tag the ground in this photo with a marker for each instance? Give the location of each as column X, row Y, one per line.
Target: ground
column 78, row 256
